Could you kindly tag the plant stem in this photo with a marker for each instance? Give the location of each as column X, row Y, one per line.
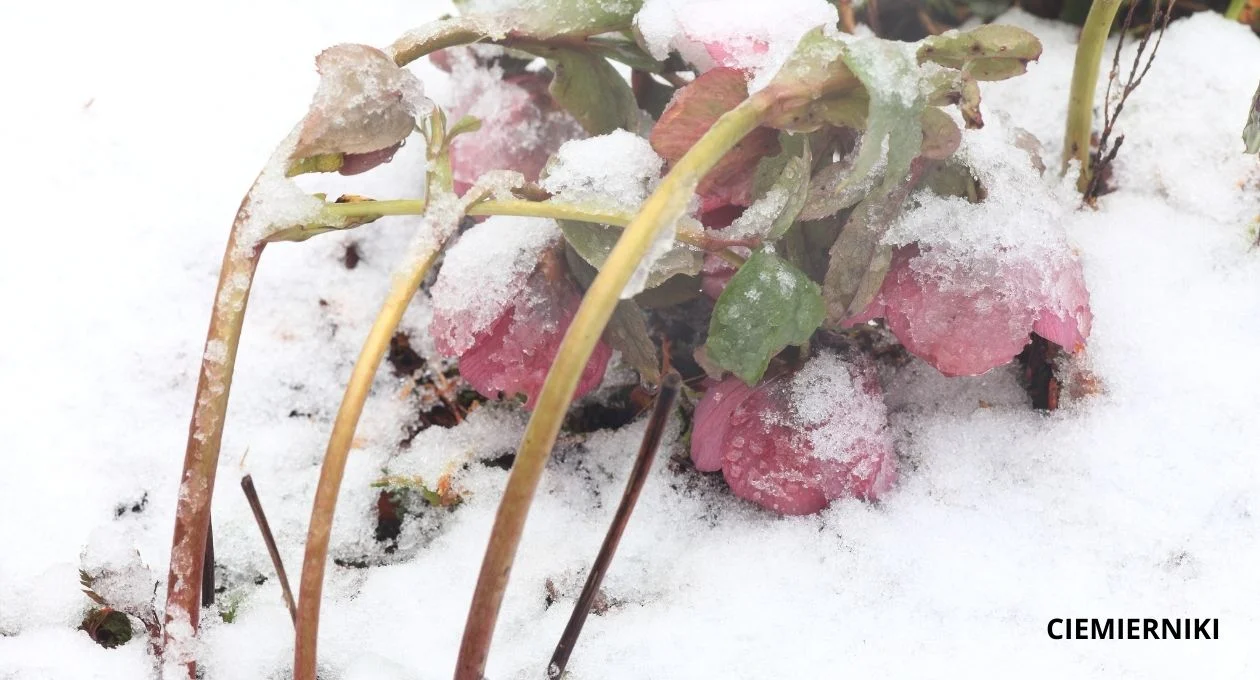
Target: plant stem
column 1084, row 81
column 665, row 398
column 205, row 434
column 548, row 209
column 1234, row 11
column 310, row 590
column 666, row 204
column 255, row 505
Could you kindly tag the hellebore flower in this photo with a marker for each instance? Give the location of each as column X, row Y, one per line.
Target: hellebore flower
column 502, row 303
column 521, row 124
column 364, row 108
column 798, row 441
column 967, row 320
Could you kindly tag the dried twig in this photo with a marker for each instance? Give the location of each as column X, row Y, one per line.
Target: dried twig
column 1101, row 159
column 665, row 398
column 251, row 494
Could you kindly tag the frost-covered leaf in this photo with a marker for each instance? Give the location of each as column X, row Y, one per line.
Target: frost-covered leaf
column 693, row 111
column 941, row 135
column 595, row 241
column 988, row 52
column 592, row 91
column 768, row 305
column 859, row 258
column 364, row 103
column 895, row 104
column 781, row 184
column 817, row 68
column 551, row 18
column 1251, row 132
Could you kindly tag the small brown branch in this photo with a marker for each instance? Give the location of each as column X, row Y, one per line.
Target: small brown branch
column 251, row 494
column 1102, row 159
column 848, row 21
column 665, row 398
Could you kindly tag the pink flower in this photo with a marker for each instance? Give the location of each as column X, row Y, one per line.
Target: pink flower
column 969, row 320
column 796, row 442
column 521, row 125
column 504, row 312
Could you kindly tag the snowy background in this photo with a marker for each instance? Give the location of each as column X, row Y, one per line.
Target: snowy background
column 130, row 130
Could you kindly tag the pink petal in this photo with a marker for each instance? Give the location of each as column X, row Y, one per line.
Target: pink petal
column 712, row 419
column 976, row 324
column 521, row 125
column 770, row 453
column 515, row 354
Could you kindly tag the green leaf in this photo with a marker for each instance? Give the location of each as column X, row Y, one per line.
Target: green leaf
column 782, row 182
column 859, row 258
column 767, row 305
column 595, row 241
column 1251, row 132
column 627, row 333
column 941, row 135
column 559, row 17
column 592, row 91
column 997, row 51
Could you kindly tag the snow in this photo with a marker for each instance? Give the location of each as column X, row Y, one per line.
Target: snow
column 757, row 37
column 616, row 171
column 484, row 272
column 1139, row 500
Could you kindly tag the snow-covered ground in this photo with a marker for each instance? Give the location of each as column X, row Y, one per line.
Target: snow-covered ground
column 130, row 130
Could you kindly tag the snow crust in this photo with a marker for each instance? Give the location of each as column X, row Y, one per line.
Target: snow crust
column 485, row 271
column 1139, row 500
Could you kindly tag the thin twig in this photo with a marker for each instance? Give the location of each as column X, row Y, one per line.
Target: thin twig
column 1106, row 153
column 251, row 494
column 207, row 567
column 665, row 398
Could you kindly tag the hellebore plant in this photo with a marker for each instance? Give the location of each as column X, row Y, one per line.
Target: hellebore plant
column 760, row 163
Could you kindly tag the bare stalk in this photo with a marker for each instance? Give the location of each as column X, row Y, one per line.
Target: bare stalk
column 205, row 434
column 1084, row 81
column 664, row 405
column 311, row 588
column 667, row 204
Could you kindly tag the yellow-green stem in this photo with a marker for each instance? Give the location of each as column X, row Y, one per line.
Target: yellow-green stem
column 1080, row 118
column 205, row 434
column 548, row 209
column 310, row 591
column 1234, row 11
column 666, row 204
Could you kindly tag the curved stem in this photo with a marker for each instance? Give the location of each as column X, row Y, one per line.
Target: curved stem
column 1084, row 81
column 310, row 590
column 667, row 204
column 205, row 434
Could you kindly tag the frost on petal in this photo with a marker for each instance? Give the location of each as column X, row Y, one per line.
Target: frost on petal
column 970, row 281
column 969, row 320
column 692, row 112
column 484, row 274
column 521, row 125
column 364, row 103
column 757, row 38
column 796, row 442
column 514, row 355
